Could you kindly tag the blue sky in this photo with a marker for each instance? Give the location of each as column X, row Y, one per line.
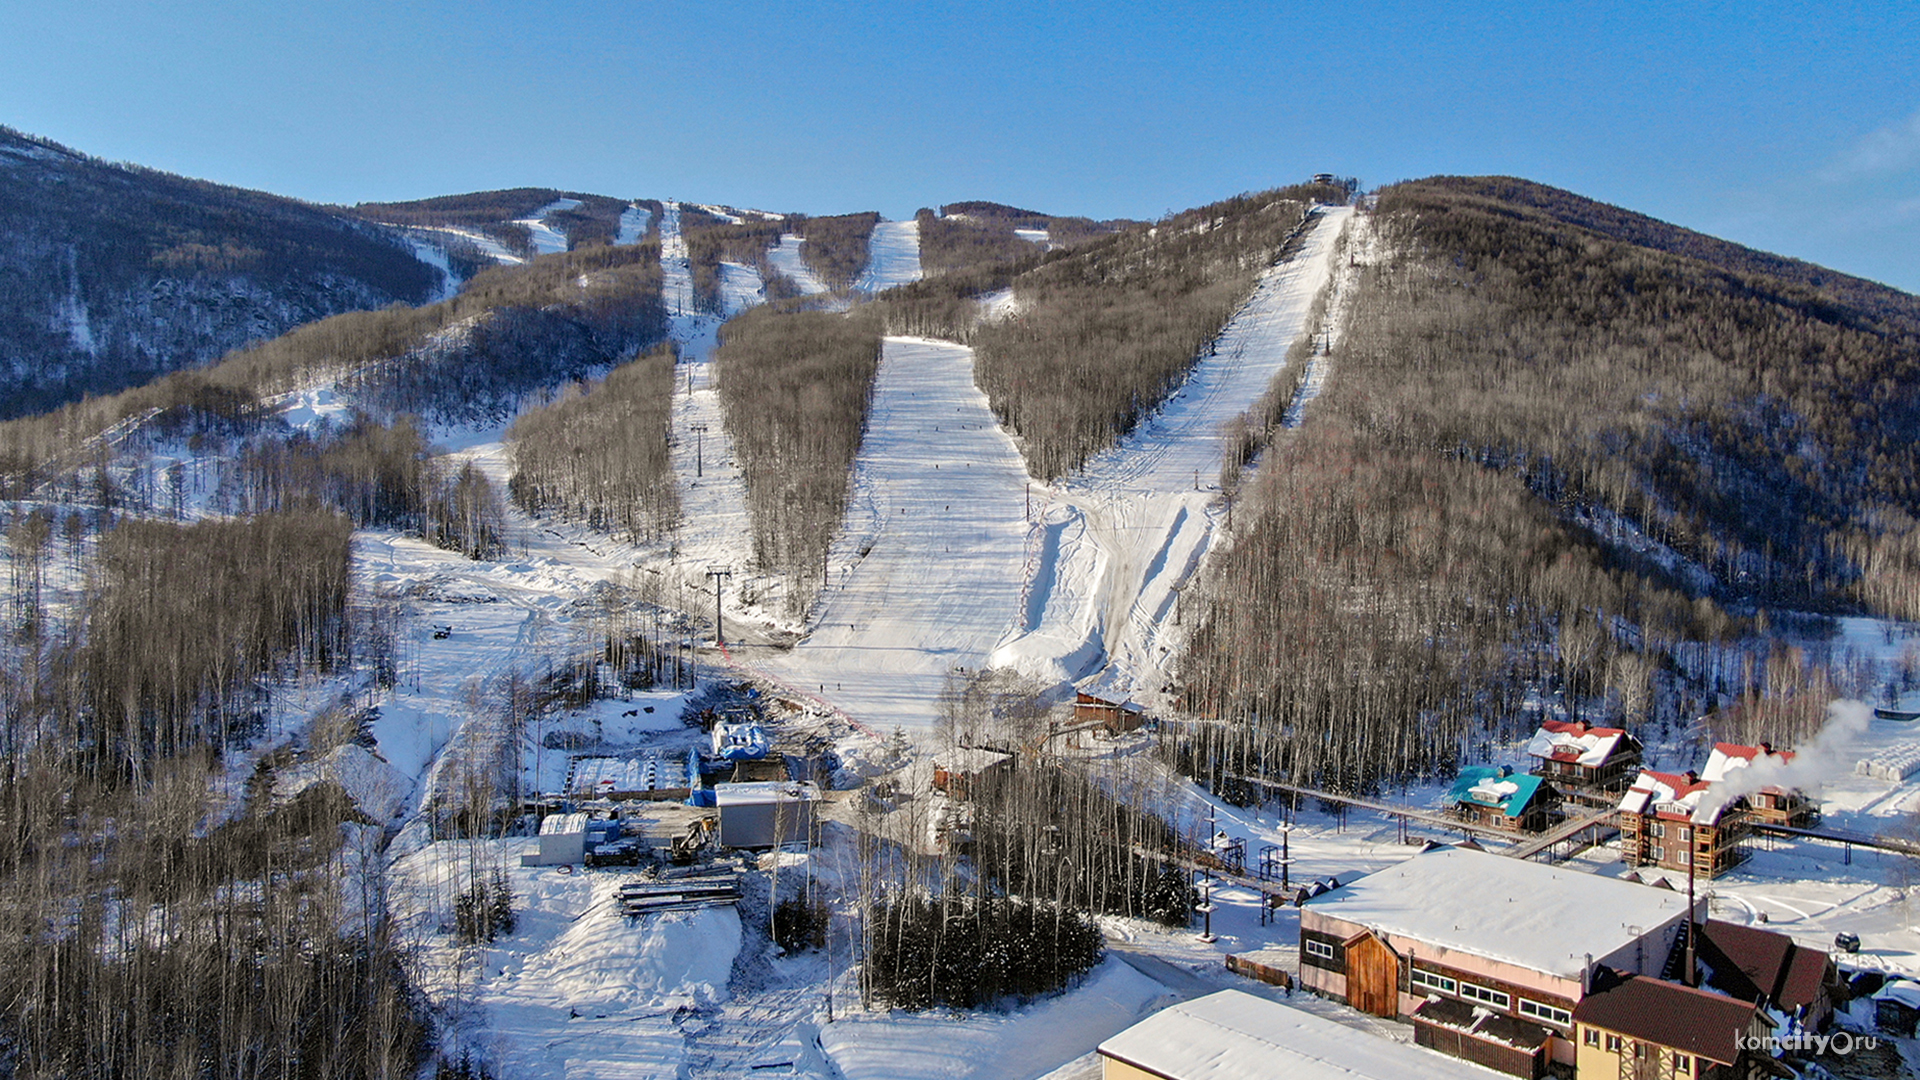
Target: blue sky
column 1794, row 128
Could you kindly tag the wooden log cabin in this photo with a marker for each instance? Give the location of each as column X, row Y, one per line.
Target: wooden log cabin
column 1584, row 763
column 1674, row 821
column 1498, row 799
column 1771, row 805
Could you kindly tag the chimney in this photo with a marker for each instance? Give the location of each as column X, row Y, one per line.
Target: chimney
column 1766, row 748
column 1692, row 777
column 1586, row 725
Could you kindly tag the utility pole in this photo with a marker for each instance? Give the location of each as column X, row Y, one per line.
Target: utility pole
column 699, row 440
column 716, row 573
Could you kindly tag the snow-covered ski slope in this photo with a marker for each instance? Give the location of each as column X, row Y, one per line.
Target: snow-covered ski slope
column 928, row 568
column 893, row 256
column 713, row 492
column 546, row 238
column 1118, row 541
column 633, row 225
column 785, row 257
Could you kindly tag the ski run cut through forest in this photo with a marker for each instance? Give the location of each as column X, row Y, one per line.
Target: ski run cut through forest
column 558, row 761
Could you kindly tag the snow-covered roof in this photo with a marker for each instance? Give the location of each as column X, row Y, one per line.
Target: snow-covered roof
column 1485, row 785
column 1670, row 796
column 1727, row 757
column 1233, row 1035
column 561, row 824
column 1561, row 740
column 968, row 759
column 763, row 791
column 1544, row 918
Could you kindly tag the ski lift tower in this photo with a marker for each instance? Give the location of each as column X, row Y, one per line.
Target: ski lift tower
column 716, row 573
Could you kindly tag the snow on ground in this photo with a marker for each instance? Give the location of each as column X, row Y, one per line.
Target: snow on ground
column 487, row 245
column 893, row 256
column 928, row 568
column 1017, row 1045
column 785, row 257
column 1034, row 236
column 999, row 305
column 634, row 221
column 547, row 239
column 576, row 992
column 1118, row 541
column 715, row 528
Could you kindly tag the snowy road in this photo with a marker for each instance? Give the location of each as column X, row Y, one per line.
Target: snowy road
column 927, row 571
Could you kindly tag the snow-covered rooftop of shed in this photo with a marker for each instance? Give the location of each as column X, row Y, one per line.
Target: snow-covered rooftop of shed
column 968, row 759
column 764, row 791
column 1232, row 1035
column 1545, row 918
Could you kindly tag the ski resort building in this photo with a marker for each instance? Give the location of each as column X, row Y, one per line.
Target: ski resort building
column 1487, row 956
column 565, row 839
column 1231, row 1035
column 1636, row 1026
column 765, row 814
column 1585, row 763
column 1769, row 805
column 1118, row 717
column 1770, row 970
column 958, row 771
column 1675, row 822
column 1496, row 798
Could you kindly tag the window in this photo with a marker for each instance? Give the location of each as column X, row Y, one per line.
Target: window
column 1657, row 829
column 1613, row 1044
column 1591, row 1037
column 1319, row 950
column 1548, row 1013
column 1682, row 1064
column 1485, row 996
column 1427, row 980
column 1686, row 832
column 1656, row 853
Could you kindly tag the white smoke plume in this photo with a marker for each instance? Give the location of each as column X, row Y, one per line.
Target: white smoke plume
column 1828, row 755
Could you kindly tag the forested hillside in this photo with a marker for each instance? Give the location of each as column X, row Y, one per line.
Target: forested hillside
column 115, row 274
column 835, row 248
column 1560, row 447
column 1104, row 331
column 796, row 389
column 966, row 234
column 712, row 240
column 595, row 221
column 511, row 330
